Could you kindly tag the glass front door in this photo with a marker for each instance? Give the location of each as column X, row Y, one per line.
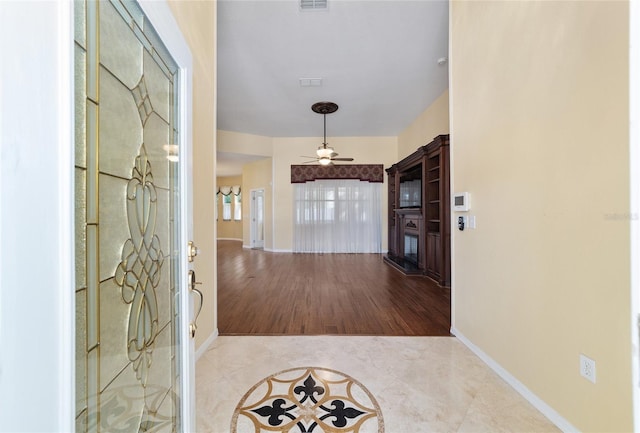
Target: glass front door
column 128, row 223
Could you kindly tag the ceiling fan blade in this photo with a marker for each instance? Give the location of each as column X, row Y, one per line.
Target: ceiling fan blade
column 310, row 162
column 312, row 157
column 341, row 159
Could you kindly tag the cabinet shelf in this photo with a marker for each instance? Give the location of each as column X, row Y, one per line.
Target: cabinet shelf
column 431, row 218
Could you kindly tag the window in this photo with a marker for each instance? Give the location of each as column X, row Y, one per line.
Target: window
column 237, row 206
column 226, row 207
column 227, row 193
column 337, row 216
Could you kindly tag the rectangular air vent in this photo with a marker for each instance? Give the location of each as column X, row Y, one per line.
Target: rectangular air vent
column 310, row 82
column 313, row 5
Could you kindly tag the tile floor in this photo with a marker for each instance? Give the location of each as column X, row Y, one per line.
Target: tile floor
column 421, row 384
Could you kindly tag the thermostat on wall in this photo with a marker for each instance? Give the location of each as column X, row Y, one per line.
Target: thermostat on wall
column 461, row 202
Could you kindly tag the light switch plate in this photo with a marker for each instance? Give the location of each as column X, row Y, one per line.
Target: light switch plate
column 472, row 221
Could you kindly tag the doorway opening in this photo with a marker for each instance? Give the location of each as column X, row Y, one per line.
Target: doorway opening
column 257, row 219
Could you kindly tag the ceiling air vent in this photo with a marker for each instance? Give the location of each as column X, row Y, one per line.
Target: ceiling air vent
column 310, row 82
column 313, row 5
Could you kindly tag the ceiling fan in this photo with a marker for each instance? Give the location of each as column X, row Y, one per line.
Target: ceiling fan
column 325, row 155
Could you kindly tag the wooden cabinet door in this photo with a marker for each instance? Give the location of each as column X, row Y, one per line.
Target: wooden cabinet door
column 434, row 261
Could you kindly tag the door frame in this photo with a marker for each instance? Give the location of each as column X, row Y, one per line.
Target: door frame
column 252, row 213
column 37, row 309
column 634, row 208
column 164, row 23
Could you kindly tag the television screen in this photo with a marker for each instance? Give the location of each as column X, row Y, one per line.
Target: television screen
column 411, row 188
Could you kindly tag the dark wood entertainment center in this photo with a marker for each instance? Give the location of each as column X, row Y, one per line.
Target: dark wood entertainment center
column 420, row 212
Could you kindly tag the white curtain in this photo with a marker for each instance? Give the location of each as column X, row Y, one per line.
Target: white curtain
column 337, row 216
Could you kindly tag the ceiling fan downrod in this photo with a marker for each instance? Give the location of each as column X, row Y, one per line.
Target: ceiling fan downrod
column 324, row 142
column 326, row 155
column 324, row 108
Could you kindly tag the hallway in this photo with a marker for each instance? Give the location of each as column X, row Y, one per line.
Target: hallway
column 421, row 384
column 266, row 293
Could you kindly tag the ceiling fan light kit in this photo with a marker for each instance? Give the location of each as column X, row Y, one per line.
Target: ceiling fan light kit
column 325, row 152
column 326, row 155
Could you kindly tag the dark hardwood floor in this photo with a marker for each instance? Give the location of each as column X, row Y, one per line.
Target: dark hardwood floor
column 265, row 293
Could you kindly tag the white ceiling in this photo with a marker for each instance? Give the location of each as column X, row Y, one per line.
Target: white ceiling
column 378, row 60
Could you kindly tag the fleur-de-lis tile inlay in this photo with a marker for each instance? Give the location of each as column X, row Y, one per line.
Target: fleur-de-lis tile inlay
column 309, row 389
column 276, row 411
column 308, row 400
column 138, row 273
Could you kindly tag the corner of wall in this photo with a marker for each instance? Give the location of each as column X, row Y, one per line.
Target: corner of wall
column 525, row 392
column 206, row 344
column 430, row 123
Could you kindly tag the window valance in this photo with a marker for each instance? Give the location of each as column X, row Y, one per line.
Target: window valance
column 226, row 190
column 364, row 172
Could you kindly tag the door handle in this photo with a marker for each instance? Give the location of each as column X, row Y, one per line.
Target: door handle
column 192, row 289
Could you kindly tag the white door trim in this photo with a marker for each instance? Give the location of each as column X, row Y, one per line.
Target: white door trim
column 252, row 214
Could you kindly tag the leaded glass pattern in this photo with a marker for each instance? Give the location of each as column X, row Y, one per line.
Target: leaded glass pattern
column 126, row 226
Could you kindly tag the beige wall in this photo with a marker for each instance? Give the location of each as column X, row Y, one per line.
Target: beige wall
column 196, row 19
column 287, row 151
column 258, row 175
column 277, row 171
column 539, row 137
column 432, row 122
column 229, row 229
column 255, row 175
column 247, row 144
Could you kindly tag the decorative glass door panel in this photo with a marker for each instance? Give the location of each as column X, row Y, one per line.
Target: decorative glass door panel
column 127, row 223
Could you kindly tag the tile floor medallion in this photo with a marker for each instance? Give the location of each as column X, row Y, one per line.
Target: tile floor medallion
column 308, row 400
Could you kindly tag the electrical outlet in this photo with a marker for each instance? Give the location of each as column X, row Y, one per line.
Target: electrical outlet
column 588, row 368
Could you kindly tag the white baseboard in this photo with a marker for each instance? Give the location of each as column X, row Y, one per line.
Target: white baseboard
column 536, row 401
column 229, row 239
column 249, row 247
column 275, row 250
column 206, row 344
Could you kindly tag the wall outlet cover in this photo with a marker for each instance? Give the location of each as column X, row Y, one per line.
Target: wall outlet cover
column 588, row 368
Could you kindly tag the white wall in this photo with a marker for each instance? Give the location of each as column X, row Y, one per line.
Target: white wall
column 36, row 217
